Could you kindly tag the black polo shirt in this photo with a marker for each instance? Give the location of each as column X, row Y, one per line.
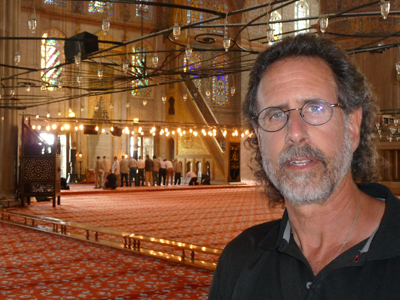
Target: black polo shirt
column 264, row 262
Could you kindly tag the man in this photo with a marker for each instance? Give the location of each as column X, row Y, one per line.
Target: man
column 107, row 168
column 162, row 172
column 132, row 169
column 193, row 177
column 110, row 182
column 156, row 171
column 313, row 116
column 170, row 171
column 140, row 168
column 98, row 173
column 124, row 169
column 116, row 169
column 148, row 171
column 178, row 171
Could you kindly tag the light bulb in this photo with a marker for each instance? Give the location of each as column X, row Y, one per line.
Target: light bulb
column 37, row 116
column 12, row 93
column 100, row 73
column 96, row 128
column 127, row 104
column 270, row 35
column 81, row 127
column 54, row 126
column 78, row 79
column 233, row 90
column 188, row 51
column 154, row 59
column 398, row 68
column 47, row 127
column 164, row 98
column 48, row 115
column 59, row 112
column 385, row 8
column 176, row 30
column 208, row 93
column 226, row 42
column 96, row 107
column 111, row 104
column 103, row 130
column 105, row 25
column 323, row 24
column 43, row 86
column 32, row 24
column 144, row 102
column 125, row 67
column 66, row 127
column 185, row 97
column 82, row 108
column 17, row 58
column 78, row 58
column 60, row 83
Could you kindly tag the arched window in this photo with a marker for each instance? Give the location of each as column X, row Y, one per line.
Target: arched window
column 141, row 60
column 301, row 10
column 220, row 6
column 52, row 55
column 56, row 2
column 275, row 16
column 194, row 15
column 220, row 83
column 191, row 65
column 145, row 11
column 102, row 7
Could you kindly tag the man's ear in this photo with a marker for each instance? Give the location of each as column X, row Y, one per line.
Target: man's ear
column 355, row 120
column 257, row 134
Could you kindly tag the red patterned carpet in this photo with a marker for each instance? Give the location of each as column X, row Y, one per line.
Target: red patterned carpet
column 36, row 265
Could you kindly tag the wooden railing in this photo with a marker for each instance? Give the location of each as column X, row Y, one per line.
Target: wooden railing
column 129, row 241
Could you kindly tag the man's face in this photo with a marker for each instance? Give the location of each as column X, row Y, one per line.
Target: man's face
column 305, row 162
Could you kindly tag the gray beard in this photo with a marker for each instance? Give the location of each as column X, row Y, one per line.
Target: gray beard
column 310, row 187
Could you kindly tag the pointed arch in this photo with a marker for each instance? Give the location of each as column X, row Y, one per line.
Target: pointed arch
column 220, row 83
column 193, row 15
column 56, row 2
column 101, row 7
column 301, row 10
column 141, row 60
column 52, row 55
column 145, row 11
column 220, row 6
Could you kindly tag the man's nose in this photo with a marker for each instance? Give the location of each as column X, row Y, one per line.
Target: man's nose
column 296, row 129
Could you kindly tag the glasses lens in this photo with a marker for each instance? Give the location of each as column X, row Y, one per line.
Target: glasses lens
column 316, row 112
column 272, row 119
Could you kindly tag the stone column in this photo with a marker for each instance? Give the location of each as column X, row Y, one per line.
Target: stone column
column 9, row 27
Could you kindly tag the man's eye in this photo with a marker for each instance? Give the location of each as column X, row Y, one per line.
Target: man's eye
column 277, row 115
column 315, row 109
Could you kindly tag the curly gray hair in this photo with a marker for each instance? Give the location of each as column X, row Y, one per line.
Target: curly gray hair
column 353, row 92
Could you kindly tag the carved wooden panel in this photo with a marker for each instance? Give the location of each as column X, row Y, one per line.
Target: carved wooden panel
column 38, row 169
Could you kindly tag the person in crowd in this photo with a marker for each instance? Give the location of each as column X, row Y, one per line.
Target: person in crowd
column 162, row 172
column 312, row 114
column 116, row 169
column 107, row 168
column 156, row 171
column 132, row 169
column 140, row 168
column 98, row 173
column 193, row 177
column 149, row 166
column 178, row 171
column 124, row 169
column 110, row 182
column 205, row 179
column 170, row 171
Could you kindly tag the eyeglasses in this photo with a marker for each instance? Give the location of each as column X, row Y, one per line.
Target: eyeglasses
column 314, row 112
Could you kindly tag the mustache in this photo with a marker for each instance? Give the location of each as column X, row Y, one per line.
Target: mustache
column 301, row 151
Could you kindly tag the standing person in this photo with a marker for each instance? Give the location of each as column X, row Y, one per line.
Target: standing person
column 178, row 171
column 313, row 117
column 140, row 168
column 156, row 171
column 132, row 169
column 98, row 173
column 124, row 169
column 163, row 171
column 148, row 171
column 115, row 169
column 170, row 171
column 107, row 168
column 193, row 177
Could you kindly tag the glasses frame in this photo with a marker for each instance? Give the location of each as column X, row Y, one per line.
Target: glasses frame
column 301, row 114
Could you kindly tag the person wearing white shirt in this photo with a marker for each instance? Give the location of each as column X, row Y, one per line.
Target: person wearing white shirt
column 193, row 177
column 115, row 169
column 170, row 171
column 98, row 173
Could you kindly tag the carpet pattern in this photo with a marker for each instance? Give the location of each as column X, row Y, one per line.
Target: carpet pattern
column 41, row 266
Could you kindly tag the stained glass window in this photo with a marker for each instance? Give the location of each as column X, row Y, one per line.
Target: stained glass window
column 301, row 10
column 56, row 2
column 275, row 16
column 191, row 65
column 144, row 10
column 52, row 55
column 102, row 7
column 141, row 59
column 220, row 83
column 194, row 15
column 220, row 7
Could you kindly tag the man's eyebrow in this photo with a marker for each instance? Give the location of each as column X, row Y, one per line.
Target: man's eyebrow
column 301, row 102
